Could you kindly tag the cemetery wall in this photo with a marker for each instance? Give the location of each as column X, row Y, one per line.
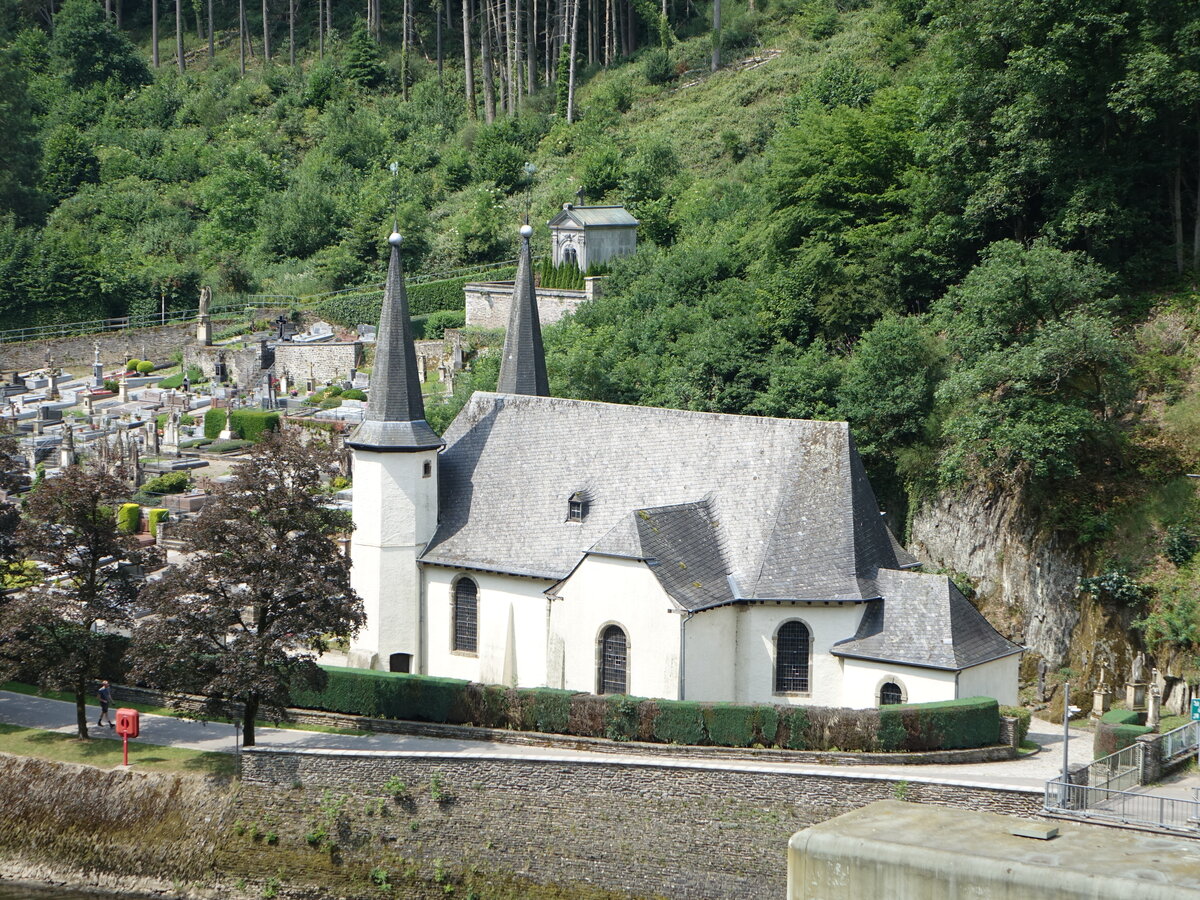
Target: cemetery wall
column 242, row 363
column 488, row 303
column 329, row 362
column 501, row 827
column 156, row 344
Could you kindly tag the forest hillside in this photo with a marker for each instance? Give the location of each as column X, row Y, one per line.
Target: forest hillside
column 969, row 227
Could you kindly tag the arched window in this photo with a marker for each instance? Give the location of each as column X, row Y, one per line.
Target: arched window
column 793, row 643
column 614, row 661
column 890, row 694
column 570, row 257
column 466, row 615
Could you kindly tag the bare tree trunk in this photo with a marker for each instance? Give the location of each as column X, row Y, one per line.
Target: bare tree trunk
column 468, row 63
column 1177, row 214
column 179, row 34
column 438, row 15
column 716, row 35
column 212, row 47
column 320, row 29
column 249, row 714
column 573, row 16
column 199, row 23
column 593, row 28
column 242, row 36
column 485, row 57
column 119, row 11
column 328, row 18
column 107, row 10
column 405, row 43
column 81, row 716
column 1196, row 221
column 292, row 32
column 154, row 31
column 506, row 28
column 266, row 33
column 531, row 46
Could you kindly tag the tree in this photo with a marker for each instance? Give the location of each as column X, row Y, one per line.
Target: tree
column 67, row 163
column 90, row 51
column 363, row 64
column 60, row 630
column 19, row 149
column 263, row 592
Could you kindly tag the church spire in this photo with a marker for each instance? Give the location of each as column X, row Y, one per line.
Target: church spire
column 395, row 415
column 523, row 366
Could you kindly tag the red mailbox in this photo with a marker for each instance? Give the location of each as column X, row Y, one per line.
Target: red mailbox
column 127, row 723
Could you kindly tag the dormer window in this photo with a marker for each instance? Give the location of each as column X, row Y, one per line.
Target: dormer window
column 577, row 507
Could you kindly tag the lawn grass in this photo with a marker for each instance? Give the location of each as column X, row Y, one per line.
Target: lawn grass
column 105, row 752
column 31, row 690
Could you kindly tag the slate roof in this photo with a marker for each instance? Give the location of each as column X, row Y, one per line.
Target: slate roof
column 924, row 620
column 523, row 364
column 593, row 217
column 793, row 513
column 395, row 416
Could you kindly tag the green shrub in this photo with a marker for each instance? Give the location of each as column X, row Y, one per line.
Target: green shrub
column 214, row 423
column 334, row 390
column 1113, row 736
column 145, row 367
column 795, row 721
column 656, row 66
column 186, row 419
column 729, row 724
column 128, row 515
column 168, row 483
column 387, row 695
column 331, row 403
column 1023, row 717
column 621, row 719
column 679, row 722
column 171, row 381
column 253, row 424
column 548, row 710
column 1123, row 717
column 111, row 385
column 154, row 516
column 436, row 323
column 132, row 365
column 354, row 394
column 948, row 725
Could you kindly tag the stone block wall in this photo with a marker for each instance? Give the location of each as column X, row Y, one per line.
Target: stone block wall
column 243, row 365
column 156, row 344
column 680, row 830
column 330, row 361
column 488, row 303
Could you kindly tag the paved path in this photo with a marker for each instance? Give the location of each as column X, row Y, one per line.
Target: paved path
column 1030, row 772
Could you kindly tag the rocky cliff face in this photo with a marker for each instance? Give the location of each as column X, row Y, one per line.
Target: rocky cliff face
column 1026, row 581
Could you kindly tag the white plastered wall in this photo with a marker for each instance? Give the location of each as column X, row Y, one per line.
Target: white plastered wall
column 607, row 590
column 395, row 514
column 756, row 626
column 511, row 628
column 863, row 678
column 710, row 655
column 998, row 678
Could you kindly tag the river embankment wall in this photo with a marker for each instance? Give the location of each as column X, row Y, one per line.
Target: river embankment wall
column 347, row 823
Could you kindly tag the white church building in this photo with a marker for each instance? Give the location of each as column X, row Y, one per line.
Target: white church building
column 546, row 542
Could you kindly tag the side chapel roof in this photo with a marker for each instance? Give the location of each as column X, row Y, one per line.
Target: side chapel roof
column 593, row 217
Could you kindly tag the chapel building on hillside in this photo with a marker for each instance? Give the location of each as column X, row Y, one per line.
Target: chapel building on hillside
column 546, row 542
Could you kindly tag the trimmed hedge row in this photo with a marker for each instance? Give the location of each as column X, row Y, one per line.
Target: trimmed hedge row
column 428, row 297
column 247, row 424
column 1023, row 717
column 1117, row 729
column 973, row 722
column 153, row 517
column 128, row 515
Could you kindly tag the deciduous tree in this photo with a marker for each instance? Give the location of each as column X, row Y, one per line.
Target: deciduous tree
column 263, row 592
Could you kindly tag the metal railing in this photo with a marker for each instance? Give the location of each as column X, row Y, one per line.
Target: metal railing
column 1180, row 741
column 1118, row 771
column 1127, row 807
column 231, row 305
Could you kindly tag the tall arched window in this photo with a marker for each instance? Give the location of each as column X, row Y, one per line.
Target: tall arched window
column 793, row 643
column 614, row 661
column 466, row 615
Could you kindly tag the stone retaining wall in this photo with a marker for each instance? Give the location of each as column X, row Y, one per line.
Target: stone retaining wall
column 650, row 828
column 156, row 344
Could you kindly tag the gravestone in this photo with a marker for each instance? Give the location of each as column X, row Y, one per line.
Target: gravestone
column 170, row 442
column 97, row 368
column 152, row 438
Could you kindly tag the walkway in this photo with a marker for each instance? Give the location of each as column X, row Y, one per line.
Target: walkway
column 1028, row 773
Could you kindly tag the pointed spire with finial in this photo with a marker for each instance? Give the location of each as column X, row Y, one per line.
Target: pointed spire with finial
column 523, row 366
column 395, row 414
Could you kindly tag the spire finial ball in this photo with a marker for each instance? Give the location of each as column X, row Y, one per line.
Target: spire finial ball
column 526, row 231
column 395, row 239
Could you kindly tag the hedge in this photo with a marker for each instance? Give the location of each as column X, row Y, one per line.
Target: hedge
column 154, row 516
column 246, row 424
column 1123, row 717
column 947, row 725
column 1117, row 729
column 128, row 515
column 431, row 296
column 973, row 722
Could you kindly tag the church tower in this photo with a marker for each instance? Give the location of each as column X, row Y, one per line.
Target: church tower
column 523, row 365
column 395, row 491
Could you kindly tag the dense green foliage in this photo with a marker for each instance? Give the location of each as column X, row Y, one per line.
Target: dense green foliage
column 128, row 515
column 1117, row 729
column 958, row 723
column 168, row 483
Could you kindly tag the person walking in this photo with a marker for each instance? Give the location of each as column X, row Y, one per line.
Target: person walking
column 105, row 695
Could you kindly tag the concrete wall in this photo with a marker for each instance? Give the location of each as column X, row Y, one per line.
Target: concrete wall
column 605, row 591
column 860, row 687
column 511, row 627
